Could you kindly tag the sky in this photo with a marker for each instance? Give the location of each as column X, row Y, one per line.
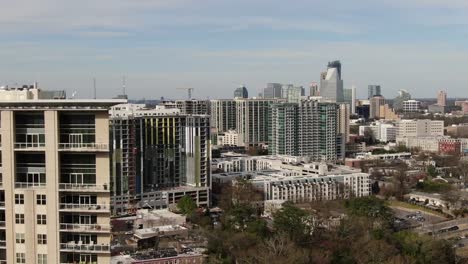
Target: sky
column 216, row 45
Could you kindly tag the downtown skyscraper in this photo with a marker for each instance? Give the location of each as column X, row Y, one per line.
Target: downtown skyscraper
column 331, row 84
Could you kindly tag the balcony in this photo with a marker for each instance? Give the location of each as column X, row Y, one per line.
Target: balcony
column 87, row 228
column 84, row 147
column 2, row 205
column 2, row 224
column 30, row 185
column 83, row 187
column 91, row 208
column 33, row 146
column 2, row 244
column 91, row 248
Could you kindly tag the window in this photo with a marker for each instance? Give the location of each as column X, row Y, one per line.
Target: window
column 41, row 258
column 20, row 257
column 19, row 238
column 42, row 239
column 41, row 219
column 19, row 198
column 19, row 218
column 41, row 199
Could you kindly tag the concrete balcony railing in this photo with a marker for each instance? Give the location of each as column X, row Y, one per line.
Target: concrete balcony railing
column 88, row 228
column 71, row 207
column 73, row 247
column 28, row 185
column 84, row 146
column 77, row 262
column 2, row 204
column 29, row 145
column 83, row 187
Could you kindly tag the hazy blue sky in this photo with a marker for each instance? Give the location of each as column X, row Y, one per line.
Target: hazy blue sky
column 215, row 45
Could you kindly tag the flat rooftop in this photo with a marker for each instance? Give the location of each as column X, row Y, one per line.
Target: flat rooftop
column 69, row 104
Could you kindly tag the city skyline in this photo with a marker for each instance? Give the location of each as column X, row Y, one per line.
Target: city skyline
column 214, row 47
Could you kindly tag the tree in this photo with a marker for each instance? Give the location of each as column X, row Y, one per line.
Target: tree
column 186, row 205
column 431, row 171
column 400, row 179
column 463, row 169
column 294, row 222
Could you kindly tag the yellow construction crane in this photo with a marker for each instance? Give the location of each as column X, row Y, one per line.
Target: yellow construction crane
column 189, row 91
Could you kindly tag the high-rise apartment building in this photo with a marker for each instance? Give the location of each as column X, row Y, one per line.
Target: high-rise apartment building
column 353, row 100
column 55, row 178
column 252, row 117
column 317, row 137
column 273, row 90
column 248, row 117
column 373, row 90
column 283, row 131
column 169, row 156
column 347, row 95
column 223, row 115
column 375, row 103
column 331, row 84
column 309, row 128
column 241, row 92
column 442, row 98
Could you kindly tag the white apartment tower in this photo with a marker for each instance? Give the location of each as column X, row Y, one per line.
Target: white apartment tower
column 55, row 179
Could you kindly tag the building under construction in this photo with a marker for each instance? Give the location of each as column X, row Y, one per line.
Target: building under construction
column 159, row 155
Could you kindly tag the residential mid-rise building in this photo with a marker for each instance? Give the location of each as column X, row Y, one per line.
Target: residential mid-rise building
column 288, row 178
column 170, row 152
column 230, row 138
column 387, row 113
column 373, row 90
column 241, row 92
column 442, row 98
column 375, row 103
column 383, row 132
column 419, row 128
column 55, row 187
column 411, row 106
column 273, row 90
column 331, row 84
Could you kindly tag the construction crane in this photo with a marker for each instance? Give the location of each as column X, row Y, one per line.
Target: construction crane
column 189, row 91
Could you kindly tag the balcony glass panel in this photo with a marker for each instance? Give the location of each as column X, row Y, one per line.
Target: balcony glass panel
column 29, row 130
column 78, row 170
column 30, row 170
column 77, row 129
